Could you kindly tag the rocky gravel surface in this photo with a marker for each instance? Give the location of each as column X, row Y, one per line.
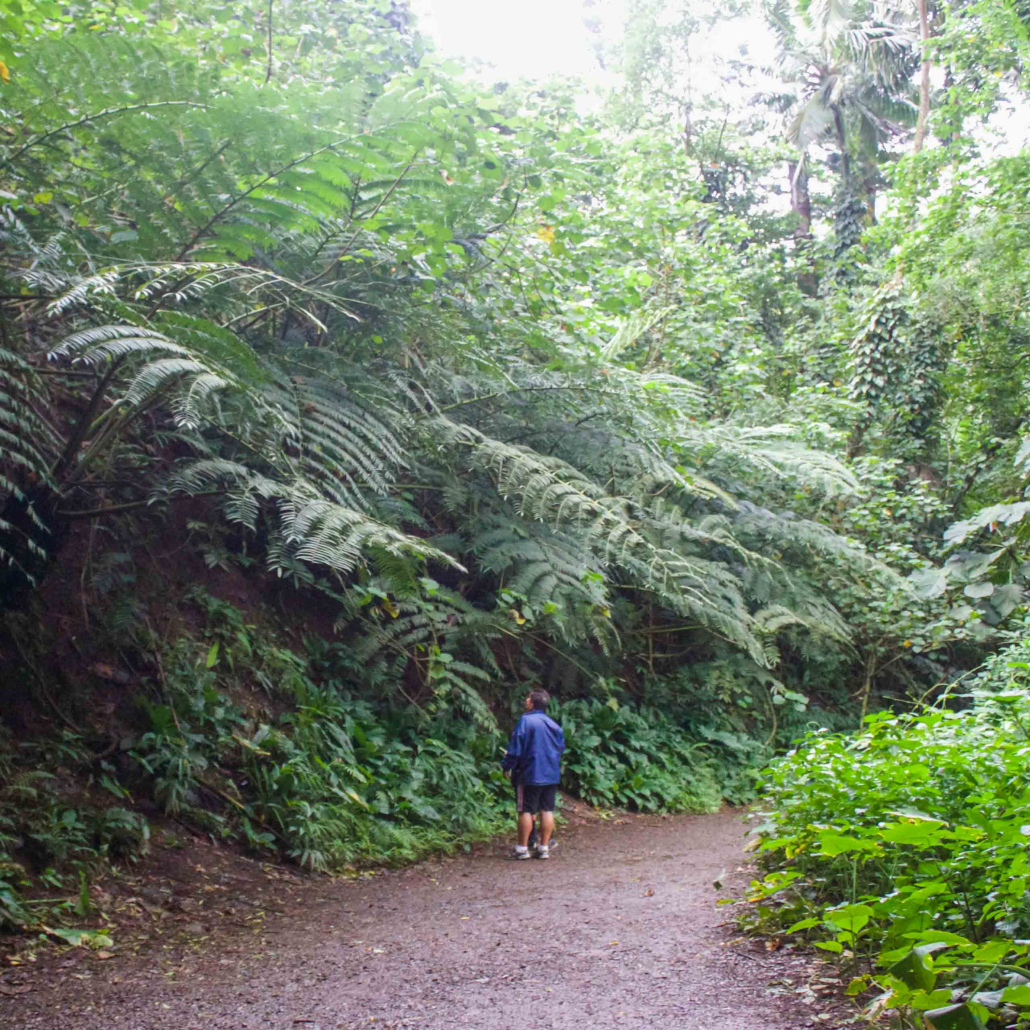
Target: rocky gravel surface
column 620, row 928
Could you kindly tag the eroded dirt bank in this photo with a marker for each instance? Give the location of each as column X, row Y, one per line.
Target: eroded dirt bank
column 619, row 929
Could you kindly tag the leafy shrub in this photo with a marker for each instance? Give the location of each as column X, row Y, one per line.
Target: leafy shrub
column 336, row 779
column 12, row 912
column 44, row 836
column 332, row 780
column 618, row 756
column 340, row 783
column 726, row 704
column 1007, row 667
column 904, row 849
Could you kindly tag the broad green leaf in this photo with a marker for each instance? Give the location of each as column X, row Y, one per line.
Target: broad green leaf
column 802, row 924
column 849, row 917
column 1018, row 994
column 832, row 844
column 953, row 1017
column 915, row 970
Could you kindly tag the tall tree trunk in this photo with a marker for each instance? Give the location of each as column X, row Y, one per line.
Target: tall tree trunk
column 801, row 205
column 924, row 80
column 870, row 187
column 800, row 201
column 842, row 144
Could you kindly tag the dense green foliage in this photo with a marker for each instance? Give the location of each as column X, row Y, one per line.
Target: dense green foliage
column 240, row 737
column 621, row 757
column 330, row 328
column 908, row 834
column 705, row 410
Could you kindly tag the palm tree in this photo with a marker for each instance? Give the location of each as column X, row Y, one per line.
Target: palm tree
column 850, row 66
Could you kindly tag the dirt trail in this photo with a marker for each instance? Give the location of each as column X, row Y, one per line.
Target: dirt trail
column 619, row 929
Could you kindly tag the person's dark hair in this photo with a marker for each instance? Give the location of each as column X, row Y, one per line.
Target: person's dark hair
column 540, row 699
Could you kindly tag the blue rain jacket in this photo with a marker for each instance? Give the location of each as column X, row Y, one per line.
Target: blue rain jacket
column 535, row 749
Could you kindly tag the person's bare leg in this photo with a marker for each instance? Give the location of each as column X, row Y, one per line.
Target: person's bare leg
column 546, row 828
column 525, row 826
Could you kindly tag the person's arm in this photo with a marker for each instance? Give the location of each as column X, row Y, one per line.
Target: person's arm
column 515, row 746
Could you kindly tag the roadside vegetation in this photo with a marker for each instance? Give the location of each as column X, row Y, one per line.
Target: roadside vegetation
column 345, row 395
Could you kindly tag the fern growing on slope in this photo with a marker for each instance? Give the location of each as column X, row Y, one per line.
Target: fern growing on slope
column 316, row 296
column 27, row 444
column 549, row 491
column 428, row 632
column 588, row 495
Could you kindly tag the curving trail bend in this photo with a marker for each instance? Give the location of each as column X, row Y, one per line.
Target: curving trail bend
column 619, row 929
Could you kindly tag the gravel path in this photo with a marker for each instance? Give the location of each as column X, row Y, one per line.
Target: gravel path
column 619, row 929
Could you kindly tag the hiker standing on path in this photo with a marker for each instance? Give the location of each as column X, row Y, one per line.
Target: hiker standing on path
column 533, row 761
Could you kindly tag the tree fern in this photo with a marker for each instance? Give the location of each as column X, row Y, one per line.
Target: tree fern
column 27, row 448
column 549, row 491
column 429, row 632
column 308, row 527
column 562, row 581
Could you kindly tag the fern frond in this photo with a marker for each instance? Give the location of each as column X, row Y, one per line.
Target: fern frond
column 445, row 621
column 311, row 529
column 28, row 447
column 550, row 491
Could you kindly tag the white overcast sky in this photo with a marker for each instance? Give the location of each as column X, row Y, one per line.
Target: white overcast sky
column 535, row 39
column 525, row 39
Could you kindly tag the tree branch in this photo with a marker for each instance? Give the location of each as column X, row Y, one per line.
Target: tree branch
column 216, row 217
column 924, row 80
column 114, row 509
column 107, row 112
column 75, row 440
column 382, row 200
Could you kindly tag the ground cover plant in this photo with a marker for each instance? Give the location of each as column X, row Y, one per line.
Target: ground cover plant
column 902, row 851
column 620, row 757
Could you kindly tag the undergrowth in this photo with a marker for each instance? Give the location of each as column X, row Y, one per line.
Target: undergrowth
column 902, row 851
column 300, row 756
column 621, row 757
column 51, row 842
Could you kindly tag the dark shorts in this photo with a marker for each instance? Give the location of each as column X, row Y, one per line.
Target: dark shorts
column 535, row 797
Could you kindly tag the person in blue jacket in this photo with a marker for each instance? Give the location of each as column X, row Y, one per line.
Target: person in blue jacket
column 533, row 762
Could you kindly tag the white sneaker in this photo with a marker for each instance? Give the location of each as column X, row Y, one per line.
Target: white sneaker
column 520, row 854
column 542, row 851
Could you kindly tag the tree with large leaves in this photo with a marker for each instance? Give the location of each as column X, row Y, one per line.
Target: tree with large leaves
column 849, row 67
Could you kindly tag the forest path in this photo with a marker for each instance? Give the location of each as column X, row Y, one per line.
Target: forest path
column 619, row 929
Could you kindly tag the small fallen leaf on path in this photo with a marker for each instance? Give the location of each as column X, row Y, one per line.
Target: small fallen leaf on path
column 12, row 992
column 614, row 943
column 105, row 954
column 649, row 893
